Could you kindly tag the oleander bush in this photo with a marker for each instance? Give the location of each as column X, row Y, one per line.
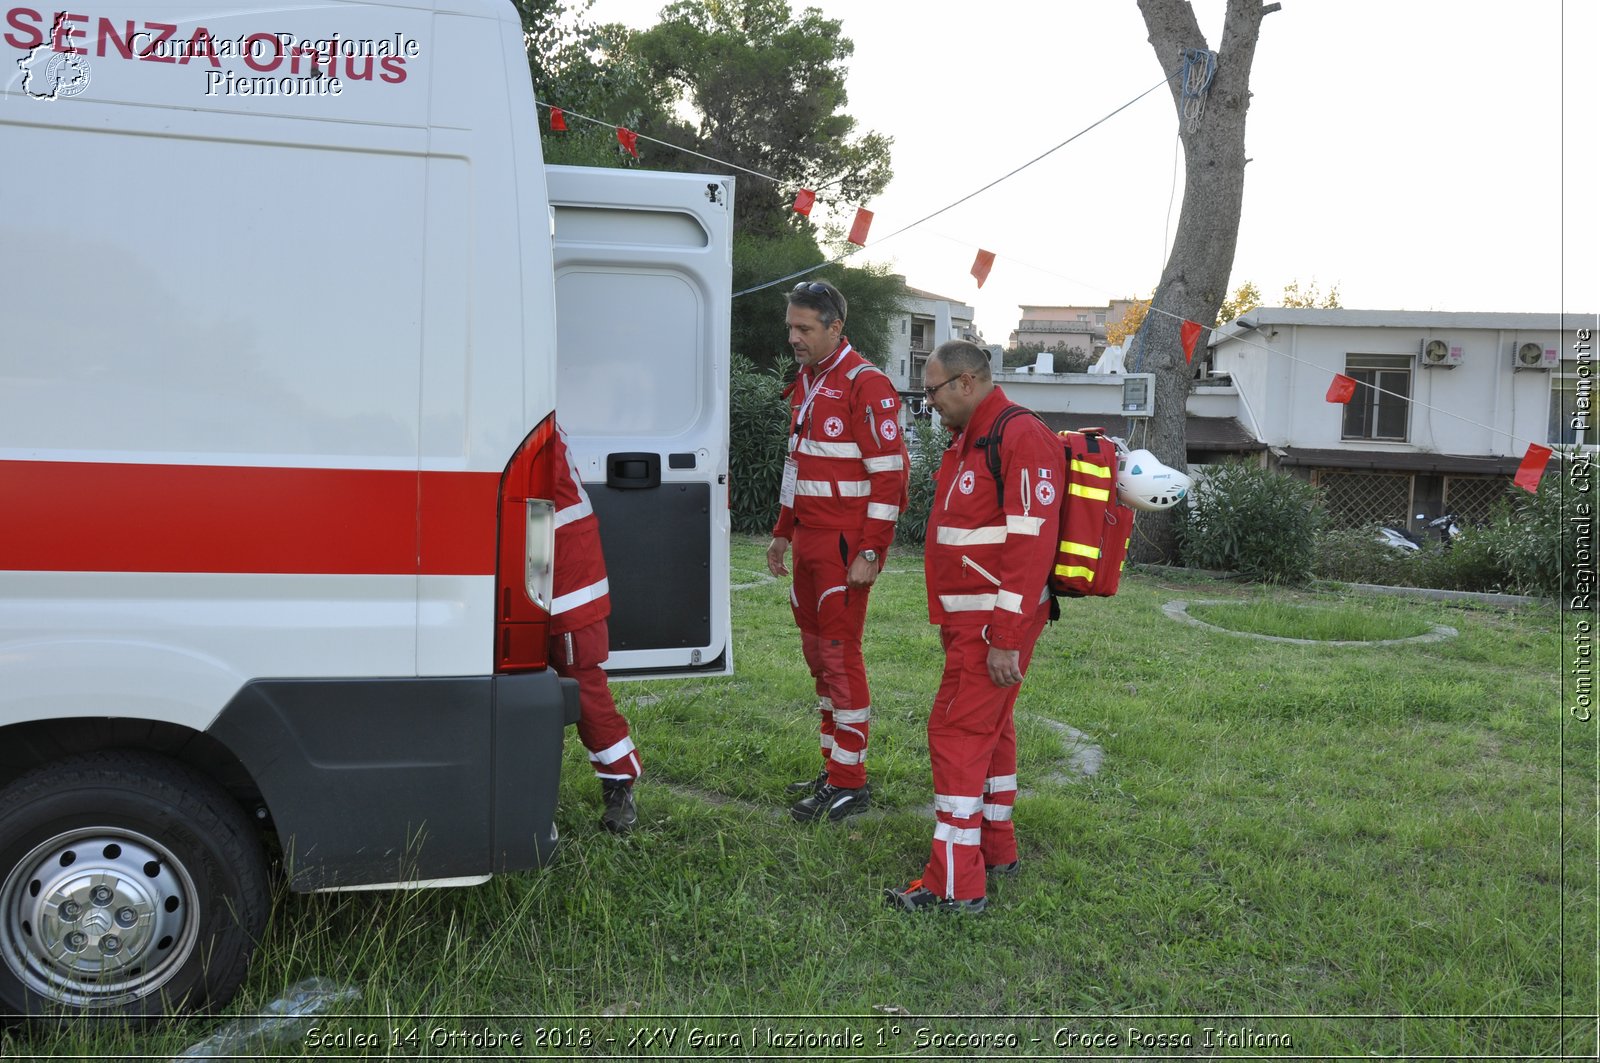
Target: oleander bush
column 1259, row 523
column 758, row 416
column 927, row 445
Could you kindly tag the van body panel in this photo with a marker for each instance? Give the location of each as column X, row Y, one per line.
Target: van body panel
column 267, row 359
column 643, row 278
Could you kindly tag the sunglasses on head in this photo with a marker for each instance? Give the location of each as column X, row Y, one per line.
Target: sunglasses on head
column 814, row 288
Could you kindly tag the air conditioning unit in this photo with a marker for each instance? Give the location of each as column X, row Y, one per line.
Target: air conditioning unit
column 1440, row 354
column 1532, row 354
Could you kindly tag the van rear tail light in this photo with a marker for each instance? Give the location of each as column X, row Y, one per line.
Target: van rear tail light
column 525, row 565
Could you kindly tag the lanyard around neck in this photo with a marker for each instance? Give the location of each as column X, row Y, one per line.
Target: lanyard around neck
column 816, row 386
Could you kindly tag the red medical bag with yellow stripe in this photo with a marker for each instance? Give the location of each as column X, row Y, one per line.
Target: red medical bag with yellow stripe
column 1095, row 526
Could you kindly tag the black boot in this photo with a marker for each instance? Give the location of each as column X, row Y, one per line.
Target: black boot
column 620, row 814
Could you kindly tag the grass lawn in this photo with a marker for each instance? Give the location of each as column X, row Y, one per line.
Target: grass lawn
column 1308, row 851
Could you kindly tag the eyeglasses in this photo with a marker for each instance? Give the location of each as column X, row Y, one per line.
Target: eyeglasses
column 929, row 391
column 814, row 288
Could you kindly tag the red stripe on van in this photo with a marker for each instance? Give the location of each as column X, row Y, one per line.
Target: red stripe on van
column 104, row 517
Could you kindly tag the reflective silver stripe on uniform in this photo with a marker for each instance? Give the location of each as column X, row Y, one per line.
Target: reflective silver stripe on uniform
column 970, row 536
column 1023, row 525
column 979, row 569
column 881, row 511
column 890, row 464
column 997, row 813
column 958, row 805
column 854, row 488
column 844, row 756
column 949, row 832
column 613, row 753
column 826, row 705
column 813, row 488
column 1010, row 601
column 820, row 449
column 858, row 370
column 997, row 784
column 827, row 742
column 966, row 603
column 853, row 715
column 581, row 596
column 577, row 511
column 794, row 599
column 830, row 590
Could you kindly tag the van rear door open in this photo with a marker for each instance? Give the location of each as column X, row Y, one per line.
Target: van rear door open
column 643, row 276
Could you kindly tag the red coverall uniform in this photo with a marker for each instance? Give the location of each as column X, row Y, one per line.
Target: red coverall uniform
column 579, row 639
column 986, row 562
column 849, row 489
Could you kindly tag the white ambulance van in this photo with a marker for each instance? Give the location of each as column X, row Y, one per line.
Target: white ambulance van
column 290, row 302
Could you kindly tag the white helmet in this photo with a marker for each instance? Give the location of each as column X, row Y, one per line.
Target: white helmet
column 1144, row 483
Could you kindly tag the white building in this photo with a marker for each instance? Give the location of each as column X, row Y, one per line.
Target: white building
column 1444, row 409
column 926, row 320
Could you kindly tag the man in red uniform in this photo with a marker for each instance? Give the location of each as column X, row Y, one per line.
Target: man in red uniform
column 580, row 641
column 989, row 551
column 844, row 486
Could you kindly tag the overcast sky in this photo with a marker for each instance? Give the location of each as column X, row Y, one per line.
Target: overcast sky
column 1419, row 154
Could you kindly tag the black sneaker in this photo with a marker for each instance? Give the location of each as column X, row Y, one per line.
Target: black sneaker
column 917, row 897
column 808, row 786
column 1002, row 869
column 620, row 814
column 830, row 802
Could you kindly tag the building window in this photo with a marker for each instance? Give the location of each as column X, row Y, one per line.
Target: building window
column 1381, row 407
column 1099, row 319
column 902, row 326
column 1570, row 399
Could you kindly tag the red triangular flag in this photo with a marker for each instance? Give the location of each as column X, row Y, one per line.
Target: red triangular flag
column 558, row 120
column 802, row 202
column 1189, row 333
column 1532, row 468
column 629, row 140
column 1343, row 389
column 981, row 264
column 858, row 231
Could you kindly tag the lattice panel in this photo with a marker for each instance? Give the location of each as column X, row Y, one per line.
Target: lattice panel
column 1356, row 499
column 1472, row 498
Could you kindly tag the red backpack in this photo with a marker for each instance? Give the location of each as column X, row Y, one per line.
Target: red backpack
column 1095, row 526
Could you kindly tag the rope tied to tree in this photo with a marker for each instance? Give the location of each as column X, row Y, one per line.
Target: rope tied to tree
column 1199, row 68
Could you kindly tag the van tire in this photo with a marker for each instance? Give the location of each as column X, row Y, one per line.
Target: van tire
column 131, row 863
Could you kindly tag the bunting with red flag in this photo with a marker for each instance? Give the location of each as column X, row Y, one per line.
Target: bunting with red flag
column 803, row 201
column 629, row 140
column 858, row 231
column 1189, row 334
column 1532, row 468
column 981, row 265
column 558, row 120
column 1343, row 389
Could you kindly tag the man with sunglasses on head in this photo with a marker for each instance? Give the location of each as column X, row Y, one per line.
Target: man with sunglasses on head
column 844, row 487
column 990, row 547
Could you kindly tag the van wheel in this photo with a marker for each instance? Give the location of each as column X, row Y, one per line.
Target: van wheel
column 132, row 885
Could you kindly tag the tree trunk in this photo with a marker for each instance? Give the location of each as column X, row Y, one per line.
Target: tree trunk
column 1195, row 280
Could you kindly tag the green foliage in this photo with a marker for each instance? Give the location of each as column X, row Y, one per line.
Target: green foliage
column 927, row 445
column 875, row 295
column 590, row 70
column 1357, row 555
column 758, row 419
column 1250, row 520
column 1531, row 536
column 765, row 90
column 1068, row 359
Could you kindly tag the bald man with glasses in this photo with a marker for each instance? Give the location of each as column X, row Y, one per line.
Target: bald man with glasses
column 844, row 487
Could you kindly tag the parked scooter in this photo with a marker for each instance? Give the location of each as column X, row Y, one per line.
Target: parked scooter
column 1446, row 526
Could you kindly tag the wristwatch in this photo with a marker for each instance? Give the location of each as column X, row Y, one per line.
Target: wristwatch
column 870, row 555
